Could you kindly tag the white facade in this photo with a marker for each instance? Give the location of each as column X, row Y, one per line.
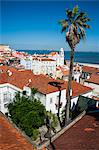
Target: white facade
column 27, row 63
column 40, row 66
column 44, row 67
column 59, row 58
column 7, row 93
column 76, row 76
column 52, row 100
column 93, row 85
column 75, row 99
column 5, row 47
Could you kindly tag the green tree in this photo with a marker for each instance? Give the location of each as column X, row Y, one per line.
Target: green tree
column 74, row 26
column 33, row 92
column 27, row 114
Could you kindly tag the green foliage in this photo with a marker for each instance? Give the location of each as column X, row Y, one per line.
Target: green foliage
column 53, row 118
column 33, row 91
column 35, row 134
column 74, row 25
column 84, row 103
column 75, row 10
column 26, row 114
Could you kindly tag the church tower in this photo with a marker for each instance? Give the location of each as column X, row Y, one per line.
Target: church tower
column 61, row 57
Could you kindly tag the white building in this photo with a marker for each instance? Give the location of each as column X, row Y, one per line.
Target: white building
column 48, row 91
column 5, row 47
column 40, row 65
column 44, row 64
column 58, row 57
column 21, row 81
column 93, row 82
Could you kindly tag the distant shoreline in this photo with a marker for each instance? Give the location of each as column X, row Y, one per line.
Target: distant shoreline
column 89, row 64
column 81, row 57
column 54, row 50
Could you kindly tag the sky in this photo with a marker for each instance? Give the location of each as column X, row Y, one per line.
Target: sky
column 28, row 24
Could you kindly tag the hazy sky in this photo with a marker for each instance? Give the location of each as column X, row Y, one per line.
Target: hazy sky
column 34, row 24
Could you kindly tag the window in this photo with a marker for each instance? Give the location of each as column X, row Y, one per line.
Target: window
column 51, row 100
column 24, row 92
column 6, row 97
column 57, row 98
column 5, row 105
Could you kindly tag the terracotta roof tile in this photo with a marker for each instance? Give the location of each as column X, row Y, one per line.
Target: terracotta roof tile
column 84, row 135
column 94, row 79
column 89, row 69
column 47, row 59
column 41, row 82
column 53, row 53
column 5, row 68
column 11, row 138
column 95, row 98
column 78, row 89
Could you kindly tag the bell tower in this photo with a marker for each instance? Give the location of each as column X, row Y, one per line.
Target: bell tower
column 61, row 56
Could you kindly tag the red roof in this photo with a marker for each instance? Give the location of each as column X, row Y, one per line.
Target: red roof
column 11, row 138
column 84, row 135
column 89, row 69
column 94, row 79
column 47, row 59
column 53, row 53
column 95, row 98
column 79, row 89
column 5, row 68
column 41, row 82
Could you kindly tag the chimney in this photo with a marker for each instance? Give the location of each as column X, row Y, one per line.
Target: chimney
column 30, row 80
column 9, row 73
column 71, row 92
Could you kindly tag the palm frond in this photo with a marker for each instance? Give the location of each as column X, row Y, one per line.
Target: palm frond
column 75, row 10
column 69, row 14
column 82, row 33
column 85, row 19
column 80, row 15
column 61, row 22
column 63, row 29
column 86, row 26
column 64, row 24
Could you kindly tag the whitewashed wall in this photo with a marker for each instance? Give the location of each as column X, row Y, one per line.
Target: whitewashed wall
column 10, row 90
column 76, row 76
column 41, row 97
column 75, row 99
column 92, row 85
column 54, row 96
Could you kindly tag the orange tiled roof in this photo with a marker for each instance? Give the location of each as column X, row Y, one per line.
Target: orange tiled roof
column 78, row 89
column 84, row 135
column 89, row 69
column 11, row 138
column 5, row 68
column 94, row 79
column 41, row 82
column 65, row 72
column 53, row 53
column 95, row 98
column 47, row 59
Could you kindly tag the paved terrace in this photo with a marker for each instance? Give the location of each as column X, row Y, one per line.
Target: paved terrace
column 84, row 135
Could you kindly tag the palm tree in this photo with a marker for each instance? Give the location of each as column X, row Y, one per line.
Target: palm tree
column 74, row 26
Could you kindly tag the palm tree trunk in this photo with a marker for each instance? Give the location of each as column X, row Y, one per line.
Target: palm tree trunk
column 59, row 107
column 69, row 87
